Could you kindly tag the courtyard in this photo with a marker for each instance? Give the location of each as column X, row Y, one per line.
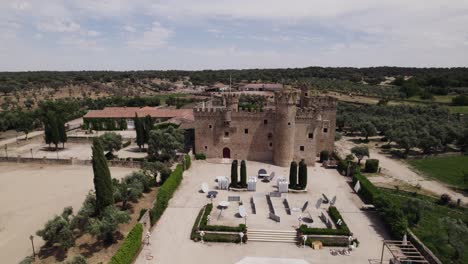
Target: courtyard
column 31, row 194
column 174, row 227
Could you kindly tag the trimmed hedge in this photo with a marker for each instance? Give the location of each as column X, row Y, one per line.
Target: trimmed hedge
column 341, row 230
column 188, row 161
column 372, row 165
column 203, row 219
column 368, row 191
column 130, row 246
column 200, row 156
column 324, row 155
column 388, row 209
column 165, row 193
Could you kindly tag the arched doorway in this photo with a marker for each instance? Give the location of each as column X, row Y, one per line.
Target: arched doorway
column 226, row 153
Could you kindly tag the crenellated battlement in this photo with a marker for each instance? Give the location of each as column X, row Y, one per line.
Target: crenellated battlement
column 286, row 97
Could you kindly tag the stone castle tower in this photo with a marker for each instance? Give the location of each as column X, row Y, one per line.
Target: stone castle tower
column 298, row 126
column 285, row 127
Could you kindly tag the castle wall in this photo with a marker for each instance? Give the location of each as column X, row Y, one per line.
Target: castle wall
column 289, row 133
column 248, row 135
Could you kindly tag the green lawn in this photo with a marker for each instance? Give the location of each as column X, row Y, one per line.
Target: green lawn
column 445, row 169
column 458, row 109
column 436, row 99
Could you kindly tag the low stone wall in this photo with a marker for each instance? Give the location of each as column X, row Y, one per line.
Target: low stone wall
column 426, row 252
column 71, row 161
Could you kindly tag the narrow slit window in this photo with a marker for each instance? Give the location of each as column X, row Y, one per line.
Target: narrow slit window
column 246, row 131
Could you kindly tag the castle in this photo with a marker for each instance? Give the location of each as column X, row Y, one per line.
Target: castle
column 298, row 126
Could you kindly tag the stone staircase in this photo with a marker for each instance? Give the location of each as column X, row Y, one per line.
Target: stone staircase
column 261, row 235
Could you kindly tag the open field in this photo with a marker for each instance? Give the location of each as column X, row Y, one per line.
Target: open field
column 458, row 109
column 174, row 227
column 446, row 169
column 31, row 194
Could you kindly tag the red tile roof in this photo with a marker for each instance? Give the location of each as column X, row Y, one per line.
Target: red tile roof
column 129, row 112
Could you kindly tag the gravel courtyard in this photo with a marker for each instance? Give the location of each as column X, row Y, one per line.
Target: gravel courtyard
column 31, row 194
column 173, row 229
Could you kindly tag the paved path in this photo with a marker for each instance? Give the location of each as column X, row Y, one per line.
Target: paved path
column 170, row 240
column 394, row 169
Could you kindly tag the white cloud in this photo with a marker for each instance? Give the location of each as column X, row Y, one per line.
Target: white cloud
column 156, row 37
column 129, row 28
column 90, row 33
column 21, row 5
column 58, row 25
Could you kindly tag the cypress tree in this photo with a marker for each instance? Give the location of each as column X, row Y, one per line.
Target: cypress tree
column 140, row 138
column 147, row 127
column 102, row 178
column 302, row 174
column 243, row 174
column 51, row 127
column 293, row 175
column 234, row 173
column 62, row 132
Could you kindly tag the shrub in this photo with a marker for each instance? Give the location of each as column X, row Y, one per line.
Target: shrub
column 78, row 259
column 302, row 175
column 324, row 155
column 203, row 219
column 322, row 231
column 130, row 246
column 368, row 191
column 341, row 230
column 342, row 166
column 142, row 212
column 58, row 230
column 165, row 193
column 200, row 156
column 392, row 215
column 126, row 144
column 188, row 161
column 243, row 174
column 293, row 175
column 335, row 216
column 445, row 199
column 372, row 165
column 234, row 173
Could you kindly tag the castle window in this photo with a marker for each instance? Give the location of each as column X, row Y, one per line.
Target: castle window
column 265, row 121
column 226, row 134
column 289, row 123
column 306, row 94
column 210, row 126
column 311, row 135
column 325, row 130
column 301, row 148
column 206, row 147
column 270, row 145
column 270, row 135
column 246, row 131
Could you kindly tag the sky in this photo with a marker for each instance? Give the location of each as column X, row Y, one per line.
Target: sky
column 221, row 34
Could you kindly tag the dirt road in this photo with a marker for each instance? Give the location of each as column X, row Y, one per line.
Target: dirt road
column 394, row 169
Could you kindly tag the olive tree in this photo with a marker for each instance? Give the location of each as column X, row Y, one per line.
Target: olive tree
column 360, row 152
